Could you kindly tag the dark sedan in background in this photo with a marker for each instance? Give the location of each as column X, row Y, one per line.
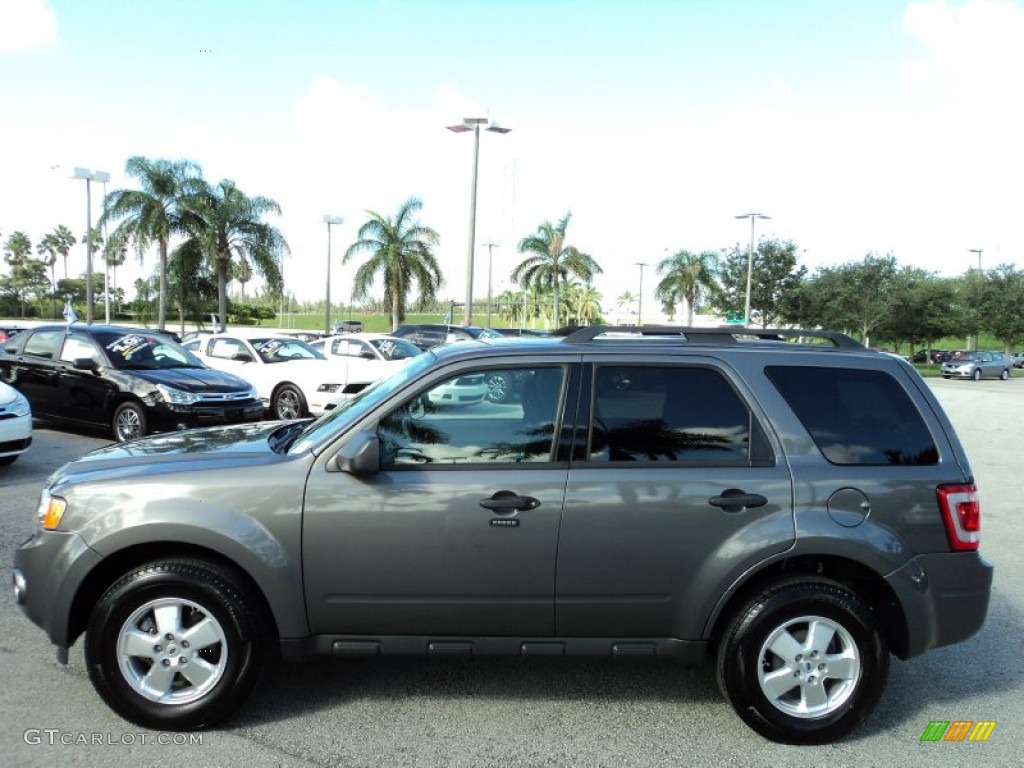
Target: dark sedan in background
column 132, row 380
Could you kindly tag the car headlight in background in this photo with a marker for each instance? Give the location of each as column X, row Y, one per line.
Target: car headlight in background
column 328, row 388
column 20, row 406
column 51, row 510
column 176, row 396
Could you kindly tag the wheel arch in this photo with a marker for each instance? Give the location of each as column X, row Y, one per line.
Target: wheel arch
column 294, row 385
column 855, row 576
column 115, row 565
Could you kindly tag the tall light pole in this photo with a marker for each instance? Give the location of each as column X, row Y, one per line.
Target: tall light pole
column 328, row 220
column 640, row 300
column 750, row 260
column 473, row 124
column 977, row 251
column 491, row 245
column 89, row 176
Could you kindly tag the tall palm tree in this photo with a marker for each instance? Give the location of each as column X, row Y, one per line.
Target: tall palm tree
column 550, row 262
column 48, row 247
column 228, row 225
column 584, row 304
column 115, row 251
column 17, row 249
column 154, row 213
column 400, row 251
column 65, row 242
column 689, row 277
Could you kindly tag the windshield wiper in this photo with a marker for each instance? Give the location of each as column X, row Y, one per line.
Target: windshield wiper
column 281, row 439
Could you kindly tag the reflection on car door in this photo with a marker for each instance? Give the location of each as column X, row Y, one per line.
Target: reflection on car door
column 412, row 550
column 83, row 394
column 645, row 525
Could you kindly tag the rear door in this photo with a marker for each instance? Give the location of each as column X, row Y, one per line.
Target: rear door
column 457, row 534
column 681, row 490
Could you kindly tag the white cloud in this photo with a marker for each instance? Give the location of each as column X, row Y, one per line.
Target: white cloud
column 26, row 24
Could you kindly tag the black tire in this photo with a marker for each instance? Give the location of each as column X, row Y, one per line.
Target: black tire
column 945, row 376
column 499, row 387
column 207, row 597
column 129, row 422
column 289, row 403
column 848, row 635
column 1004, row 374
column 6, row 461
column 976, row 374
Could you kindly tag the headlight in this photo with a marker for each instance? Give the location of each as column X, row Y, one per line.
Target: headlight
column 20, row 406
column 51, row 510
column 328, row 388
column 253, row 394
column 176, row 396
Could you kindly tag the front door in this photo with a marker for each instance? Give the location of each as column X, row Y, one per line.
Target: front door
column 458, row 532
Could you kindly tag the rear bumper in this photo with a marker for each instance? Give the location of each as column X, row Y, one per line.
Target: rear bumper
column 945, row 598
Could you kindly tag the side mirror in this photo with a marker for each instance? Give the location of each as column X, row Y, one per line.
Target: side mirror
column 359, row 456
column 242, row 357
column 85, row 364
column 367, row 356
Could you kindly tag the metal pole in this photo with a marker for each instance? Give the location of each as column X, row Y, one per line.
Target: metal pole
column 472, row 227
column 89, row 307
column 640, row 299
column 327, row 304
column 106, row 264
column 750, row 269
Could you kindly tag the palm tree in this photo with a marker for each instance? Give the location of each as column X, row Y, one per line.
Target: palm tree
column 228, row 225
column 154, row 213
column 551, row 262
column 17, row 248
column 584, row 304
column 115, row 251
column 400, row 250
column 65, row 242
column 49, row 248
column 687, row 277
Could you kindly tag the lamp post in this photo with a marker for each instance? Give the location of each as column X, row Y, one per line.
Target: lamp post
column 977, row 251
column 328, row 220
column 491, row 245
column 89, row 176
column 750, row 260
column 640, row 300
column 473, row 124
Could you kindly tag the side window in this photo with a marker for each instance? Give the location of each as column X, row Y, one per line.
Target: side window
column 856, row 416
column 44, row 344
column 670, row 414
column 225, row 348
column 75, row 347
column 454, row 422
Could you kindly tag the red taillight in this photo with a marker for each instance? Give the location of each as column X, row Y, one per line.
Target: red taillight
column 961, row 513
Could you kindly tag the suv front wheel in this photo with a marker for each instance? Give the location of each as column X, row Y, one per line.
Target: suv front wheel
column 804, row 662
column 176, row 644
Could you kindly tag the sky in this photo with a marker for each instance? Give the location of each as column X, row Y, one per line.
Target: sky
column 874, row 127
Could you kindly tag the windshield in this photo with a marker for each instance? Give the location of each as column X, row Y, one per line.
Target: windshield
column 145, row 351
column 273, row 350
column 395, row 349
column 359, row 405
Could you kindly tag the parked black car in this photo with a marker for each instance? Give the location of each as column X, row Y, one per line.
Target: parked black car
column 133, row 380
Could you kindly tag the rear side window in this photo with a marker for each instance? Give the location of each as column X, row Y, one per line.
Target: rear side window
column 856, row 417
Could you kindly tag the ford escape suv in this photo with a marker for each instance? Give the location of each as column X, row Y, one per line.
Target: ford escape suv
column 785, row 504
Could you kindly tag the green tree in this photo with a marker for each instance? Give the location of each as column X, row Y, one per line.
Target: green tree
column 857, row 295
column 774, row 273
column 154, row 213
column 687, row 277
column 115, row 251
column 922, row 311
column 65, row 242
column 16, row 253
column 551, row 261
column 228, row 225
column 401, row 253
column 583, row 303
column 1001, row 305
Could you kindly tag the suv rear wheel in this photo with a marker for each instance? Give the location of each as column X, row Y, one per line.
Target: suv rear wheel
column 804, row 662
column 175, row 644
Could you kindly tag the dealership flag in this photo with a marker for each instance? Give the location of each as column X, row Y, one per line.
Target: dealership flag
column 69, row 313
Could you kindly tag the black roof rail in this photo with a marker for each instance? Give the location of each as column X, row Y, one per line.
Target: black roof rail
column 726, row 335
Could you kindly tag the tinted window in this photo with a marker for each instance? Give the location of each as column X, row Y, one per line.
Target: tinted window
column 667, row 413
column 428, row 433
column 44, row 344
column 856, row 416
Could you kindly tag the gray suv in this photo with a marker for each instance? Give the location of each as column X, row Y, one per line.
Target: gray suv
column 785, row 504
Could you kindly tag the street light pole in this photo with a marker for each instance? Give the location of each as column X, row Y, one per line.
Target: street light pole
column 977, row 251
column 328, row 220
column 640, row 300
column 89, row 176
column 750, row 260
column 473, row 124
column 490, row 265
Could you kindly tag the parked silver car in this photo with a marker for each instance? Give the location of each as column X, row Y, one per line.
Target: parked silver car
column 795, row 514
column 977, row 366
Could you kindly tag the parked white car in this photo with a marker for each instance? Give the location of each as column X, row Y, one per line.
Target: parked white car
column 368, row 356
column 15, row 424
column 292, row 378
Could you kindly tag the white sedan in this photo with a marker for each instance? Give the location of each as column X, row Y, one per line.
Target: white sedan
column 292, row 378
column 15, row 424
column 368, row 356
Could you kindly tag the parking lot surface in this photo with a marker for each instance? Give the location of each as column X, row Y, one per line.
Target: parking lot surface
column 509, row 712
